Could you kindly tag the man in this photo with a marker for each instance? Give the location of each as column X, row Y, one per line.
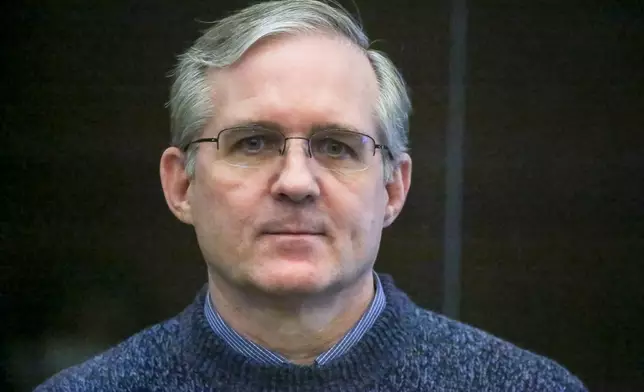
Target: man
column 288, row 159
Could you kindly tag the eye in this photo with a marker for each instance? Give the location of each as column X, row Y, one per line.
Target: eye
column 334, row 148
column 252, row 144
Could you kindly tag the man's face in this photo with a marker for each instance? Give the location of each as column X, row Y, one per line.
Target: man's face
column 293, row 227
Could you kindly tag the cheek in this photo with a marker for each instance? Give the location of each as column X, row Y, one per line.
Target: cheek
column 359, row 210
column 225, row 204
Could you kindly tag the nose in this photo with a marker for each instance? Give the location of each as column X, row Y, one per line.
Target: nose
column 296, row 180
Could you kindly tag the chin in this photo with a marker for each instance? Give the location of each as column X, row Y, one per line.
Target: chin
column 294, row 278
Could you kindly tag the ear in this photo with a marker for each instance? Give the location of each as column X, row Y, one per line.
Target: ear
column 397, row 189
column 176, row 183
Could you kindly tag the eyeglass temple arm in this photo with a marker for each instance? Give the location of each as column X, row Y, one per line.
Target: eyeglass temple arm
column 384, row 148
column 202, row 140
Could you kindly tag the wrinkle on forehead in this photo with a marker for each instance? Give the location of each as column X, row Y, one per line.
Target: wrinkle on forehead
column 290, row 77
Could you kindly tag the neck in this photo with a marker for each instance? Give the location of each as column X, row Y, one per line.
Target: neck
column 301, row 328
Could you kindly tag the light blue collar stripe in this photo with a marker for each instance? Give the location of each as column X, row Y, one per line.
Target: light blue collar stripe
column 263, row 355
column 360, row 329
column 236, row 341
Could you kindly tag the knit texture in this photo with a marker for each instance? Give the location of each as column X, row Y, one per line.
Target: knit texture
column 407, row 349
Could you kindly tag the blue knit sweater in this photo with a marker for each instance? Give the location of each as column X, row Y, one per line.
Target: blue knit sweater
column 407, row 349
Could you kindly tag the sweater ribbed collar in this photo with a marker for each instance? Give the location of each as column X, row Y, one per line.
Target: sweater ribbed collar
column 209, row 356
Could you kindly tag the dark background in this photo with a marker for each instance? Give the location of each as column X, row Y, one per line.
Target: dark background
column 553, row 215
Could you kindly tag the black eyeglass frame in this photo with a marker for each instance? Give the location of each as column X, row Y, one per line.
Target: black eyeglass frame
column 376, row 146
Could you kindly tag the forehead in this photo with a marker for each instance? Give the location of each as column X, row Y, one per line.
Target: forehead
column 297, row 81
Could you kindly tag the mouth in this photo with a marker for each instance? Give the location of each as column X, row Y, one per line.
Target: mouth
column 294, row 229
column 293, row 233
column 294, row 239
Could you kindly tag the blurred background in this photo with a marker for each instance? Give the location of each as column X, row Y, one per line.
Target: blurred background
column 553, row 214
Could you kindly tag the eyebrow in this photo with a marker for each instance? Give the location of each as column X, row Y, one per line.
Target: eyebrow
column 278, row 127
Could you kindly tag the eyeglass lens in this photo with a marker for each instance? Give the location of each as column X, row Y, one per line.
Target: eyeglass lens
column 334, row 149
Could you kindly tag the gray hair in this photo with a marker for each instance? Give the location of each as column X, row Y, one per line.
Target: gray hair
column 228, row 39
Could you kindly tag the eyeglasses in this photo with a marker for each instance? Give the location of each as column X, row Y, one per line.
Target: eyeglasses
column 255, row 146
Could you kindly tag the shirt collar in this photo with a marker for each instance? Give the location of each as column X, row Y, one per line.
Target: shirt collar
column 263, row 355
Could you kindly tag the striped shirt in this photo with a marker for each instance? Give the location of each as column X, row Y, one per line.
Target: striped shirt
column 263, row 355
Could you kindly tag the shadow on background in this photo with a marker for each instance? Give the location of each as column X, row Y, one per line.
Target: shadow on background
column 553, row 215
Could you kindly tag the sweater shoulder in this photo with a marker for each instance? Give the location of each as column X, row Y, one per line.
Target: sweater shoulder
column 129, row 366
column 485, row 362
